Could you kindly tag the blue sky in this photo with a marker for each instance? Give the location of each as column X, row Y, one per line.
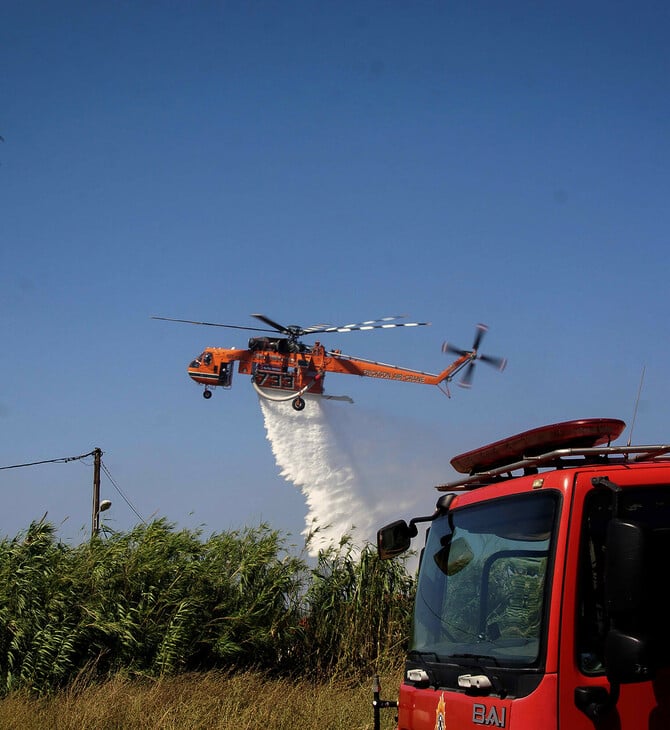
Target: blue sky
column 505, row 163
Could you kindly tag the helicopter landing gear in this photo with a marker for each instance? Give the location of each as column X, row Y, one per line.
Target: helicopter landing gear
column 298, row 403
column 206, row 394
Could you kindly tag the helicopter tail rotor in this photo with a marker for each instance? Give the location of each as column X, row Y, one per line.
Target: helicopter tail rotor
column 473, row 354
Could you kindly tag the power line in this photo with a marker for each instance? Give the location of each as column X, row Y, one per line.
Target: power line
column 50, row 461
column 121, row 494
column 65, row 459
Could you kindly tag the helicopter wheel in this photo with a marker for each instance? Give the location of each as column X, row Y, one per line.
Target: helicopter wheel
column 298, row 403
column 206, row 394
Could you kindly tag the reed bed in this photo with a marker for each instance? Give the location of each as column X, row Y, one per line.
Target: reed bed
column 158, row 628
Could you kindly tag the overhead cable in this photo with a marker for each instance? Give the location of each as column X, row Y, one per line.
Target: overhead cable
column 50, row 461
column 121, row 494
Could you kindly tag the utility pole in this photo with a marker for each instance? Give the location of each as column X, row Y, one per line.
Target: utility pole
column 95, row 518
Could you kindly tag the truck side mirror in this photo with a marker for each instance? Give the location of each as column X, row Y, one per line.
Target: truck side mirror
column 396, row 537
column 393, row 539
column 625, row 566
column 628, row 647
column 628, row 658
column 454, row 556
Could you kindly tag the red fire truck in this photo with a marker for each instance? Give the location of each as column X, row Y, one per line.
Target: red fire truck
column 541, row 590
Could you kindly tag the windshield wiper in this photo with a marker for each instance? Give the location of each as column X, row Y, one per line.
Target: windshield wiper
column 422, row 658
column 479, row 658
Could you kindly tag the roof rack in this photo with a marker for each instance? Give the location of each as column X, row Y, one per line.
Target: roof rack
column 556, row 459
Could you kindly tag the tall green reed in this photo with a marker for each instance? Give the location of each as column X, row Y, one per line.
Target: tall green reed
column 156, row 601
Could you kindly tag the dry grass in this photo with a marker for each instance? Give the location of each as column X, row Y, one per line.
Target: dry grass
column 206, row 701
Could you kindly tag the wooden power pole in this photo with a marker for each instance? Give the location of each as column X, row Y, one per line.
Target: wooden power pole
column 95, row 517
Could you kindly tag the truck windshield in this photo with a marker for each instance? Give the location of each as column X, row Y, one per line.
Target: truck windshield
column 481, row 589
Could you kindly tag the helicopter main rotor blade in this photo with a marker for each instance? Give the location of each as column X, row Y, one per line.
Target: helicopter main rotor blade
column 317, row 329
column 212, row 324
column 295, row 331
column 267, row 320
column 371, row 324
column 368, row 324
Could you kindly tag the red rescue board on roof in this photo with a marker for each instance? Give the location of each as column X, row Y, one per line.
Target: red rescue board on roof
column 583, row 433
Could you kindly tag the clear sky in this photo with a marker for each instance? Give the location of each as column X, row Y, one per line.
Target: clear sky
column 457, row 162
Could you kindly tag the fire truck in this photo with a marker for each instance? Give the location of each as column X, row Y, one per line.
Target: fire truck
column 541, row 599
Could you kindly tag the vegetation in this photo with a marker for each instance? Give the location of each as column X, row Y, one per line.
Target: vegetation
column 201, row 701
column 232, row 627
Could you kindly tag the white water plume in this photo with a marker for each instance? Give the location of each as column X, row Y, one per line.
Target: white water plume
column 357, row 470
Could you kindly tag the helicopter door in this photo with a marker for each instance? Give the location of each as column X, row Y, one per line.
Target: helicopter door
column 226, row 374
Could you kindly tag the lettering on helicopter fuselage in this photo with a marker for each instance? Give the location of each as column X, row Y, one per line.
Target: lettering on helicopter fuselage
column 491, row 717
column 395, row 376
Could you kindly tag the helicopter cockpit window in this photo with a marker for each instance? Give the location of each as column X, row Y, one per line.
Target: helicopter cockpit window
column 206, row 358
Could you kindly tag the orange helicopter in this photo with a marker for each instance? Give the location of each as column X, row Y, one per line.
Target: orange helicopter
column 286, row 369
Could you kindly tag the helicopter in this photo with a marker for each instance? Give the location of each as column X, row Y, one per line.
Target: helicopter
column 284, row 368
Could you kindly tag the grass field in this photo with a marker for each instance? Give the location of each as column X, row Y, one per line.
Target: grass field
column 245, row 701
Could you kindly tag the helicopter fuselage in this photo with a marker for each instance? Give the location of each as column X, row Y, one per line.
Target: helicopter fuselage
column 294, row 369
column 273, row 363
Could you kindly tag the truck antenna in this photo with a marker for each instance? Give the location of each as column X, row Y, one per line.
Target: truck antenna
column 637, row 402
